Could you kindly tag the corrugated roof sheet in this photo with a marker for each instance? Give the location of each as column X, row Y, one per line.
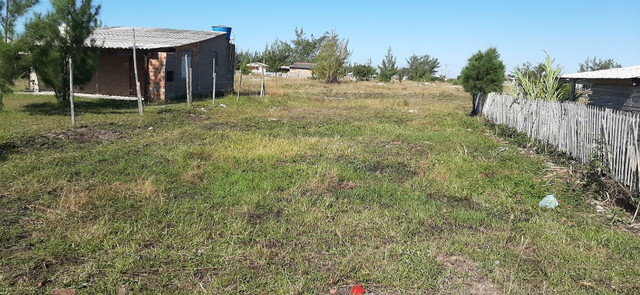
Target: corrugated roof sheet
column 618, row 73
column 302, row 65
column 147, row 38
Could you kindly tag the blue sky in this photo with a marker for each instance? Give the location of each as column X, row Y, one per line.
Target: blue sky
column 570, row 31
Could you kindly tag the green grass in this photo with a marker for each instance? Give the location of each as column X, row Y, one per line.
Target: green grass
column 290, row 194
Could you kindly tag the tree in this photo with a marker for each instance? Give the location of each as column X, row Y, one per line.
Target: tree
column 12, row 11
column 388, row 68
column 306, row 49
column 332, row 58
column 245, row 57
column 60, row 35
column 422, row 68
column 484, row 73
column 12, row 63
column 528, row 70
column 277, row 54
column 594, row 64
column 363, row 72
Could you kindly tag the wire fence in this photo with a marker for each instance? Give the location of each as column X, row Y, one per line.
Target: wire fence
column 582, row 131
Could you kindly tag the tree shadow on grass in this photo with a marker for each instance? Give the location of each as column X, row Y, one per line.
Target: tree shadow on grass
column 92, row 106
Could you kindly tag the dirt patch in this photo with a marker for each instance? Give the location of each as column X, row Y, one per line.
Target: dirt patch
column 84, row 135
column 58, row 138
column 197, row 117
column 464, row 278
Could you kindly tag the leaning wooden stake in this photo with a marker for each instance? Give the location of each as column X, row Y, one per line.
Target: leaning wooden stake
column 135, row 70
column 262, row 88
column 239, row 85
column 73, row 112
column 186, row 80
column 190, row 85
column 213, row 94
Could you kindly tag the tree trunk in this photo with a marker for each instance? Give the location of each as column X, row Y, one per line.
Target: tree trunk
column 474, row 110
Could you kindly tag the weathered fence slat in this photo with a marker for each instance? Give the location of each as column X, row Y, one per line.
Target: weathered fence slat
column 583, row 132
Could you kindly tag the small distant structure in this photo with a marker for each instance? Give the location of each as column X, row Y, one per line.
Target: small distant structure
column 33, row 86
column 301, row 70
column 257, row 67
column 617, row 88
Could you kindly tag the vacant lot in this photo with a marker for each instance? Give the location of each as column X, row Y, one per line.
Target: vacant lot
column 312, row 188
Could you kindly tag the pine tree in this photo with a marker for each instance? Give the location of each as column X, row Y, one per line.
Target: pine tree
column 597, row 64
column 332, row 58
column 12, row 10
column 277, row 55
column 484, row 73
column 12, row 63
column 60, row 35
column 422, row 68
column 306, row 49
column 388, row 68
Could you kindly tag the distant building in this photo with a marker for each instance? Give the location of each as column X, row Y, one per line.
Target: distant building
column 257, row 67
column 613, row 88
column 301, row 70
column 160, row 55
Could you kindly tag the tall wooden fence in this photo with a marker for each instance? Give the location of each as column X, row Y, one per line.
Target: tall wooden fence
column 582, row 131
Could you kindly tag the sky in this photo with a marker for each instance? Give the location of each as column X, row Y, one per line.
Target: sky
column 569, row 31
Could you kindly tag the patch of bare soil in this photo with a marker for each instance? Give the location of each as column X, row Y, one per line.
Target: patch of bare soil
column 464, row 278
column 58, row 138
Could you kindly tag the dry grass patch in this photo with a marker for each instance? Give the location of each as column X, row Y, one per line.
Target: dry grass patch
column 463, row 277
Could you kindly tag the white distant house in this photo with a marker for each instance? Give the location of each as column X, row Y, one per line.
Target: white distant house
column 613, row 88
column 257, row 67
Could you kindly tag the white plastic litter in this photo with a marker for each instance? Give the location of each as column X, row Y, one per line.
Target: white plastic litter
column 549, row 202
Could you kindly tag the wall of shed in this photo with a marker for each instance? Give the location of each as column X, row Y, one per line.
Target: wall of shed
column 112, row 75
column 300, row 73
column 157, row 67
column 202, row 68
column 615, row 94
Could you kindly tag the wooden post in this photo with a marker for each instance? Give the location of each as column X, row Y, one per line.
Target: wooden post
column 262, row 88
column 239, row 85
column 73, row 111
column 135, row 70
column 190, row 85
column 572, row 97
column 186, row 78
column 213, row 94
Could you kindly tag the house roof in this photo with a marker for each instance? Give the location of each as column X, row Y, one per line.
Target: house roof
column 257, row 65
column 147, row 38
column 618, row 73
column 302, row 65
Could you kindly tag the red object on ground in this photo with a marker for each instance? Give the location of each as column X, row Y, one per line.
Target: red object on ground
column 357, row 289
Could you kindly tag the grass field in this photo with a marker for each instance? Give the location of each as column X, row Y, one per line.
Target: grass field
column 305, row 191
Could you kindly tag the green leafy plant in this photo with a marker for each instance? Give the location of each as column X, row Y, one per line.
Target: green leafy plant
column 543, row 85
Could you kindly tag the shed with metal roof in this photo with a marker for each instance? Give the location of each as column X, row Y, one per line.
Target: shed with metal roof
column 617, row 88
column 160, row 55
